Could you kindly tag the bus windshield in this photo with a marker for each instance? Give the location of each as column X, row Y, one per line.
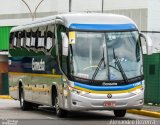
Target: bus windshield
column 106, row 55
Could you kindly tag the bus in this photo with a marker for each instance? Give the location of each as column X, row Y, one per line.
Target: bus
column 77, row 62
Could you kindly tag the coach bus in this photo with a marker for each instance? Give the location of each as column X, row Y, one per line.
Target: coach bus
column 77, row 62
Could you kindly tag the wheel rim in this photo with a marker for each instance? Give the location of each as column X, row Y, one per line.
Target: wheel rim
column 57, row 105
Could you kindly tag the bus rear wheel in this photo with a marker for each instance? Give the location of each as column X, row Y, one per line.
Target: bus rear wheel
column 24, row 104
column 59, row 112
column 119, row 113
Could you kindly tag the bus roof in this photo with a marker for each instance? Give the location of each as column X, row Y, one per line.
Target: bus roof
column 83, row 21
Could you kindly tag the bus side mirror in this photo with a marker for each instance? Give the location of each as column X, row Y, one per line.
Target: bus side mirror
column 64, row 44
column 148, row 41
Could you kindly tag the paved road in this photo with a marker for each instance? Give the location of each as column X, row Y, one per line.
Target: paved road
column 10, row 112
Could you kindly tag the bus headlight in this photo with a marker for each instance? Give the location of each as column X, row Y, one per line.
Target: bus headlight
column 137, row 91
column 76, row 91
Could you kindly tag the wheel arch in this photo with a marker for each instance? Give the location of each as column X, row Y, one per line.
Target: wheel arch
column 54, row 93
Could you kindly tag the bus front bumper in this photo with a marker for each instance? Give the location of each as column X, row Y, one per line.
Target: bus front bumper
column 92, row 101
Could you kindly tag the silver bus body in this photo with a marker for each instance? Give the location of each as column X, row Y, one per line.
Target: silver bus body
column 39, row 86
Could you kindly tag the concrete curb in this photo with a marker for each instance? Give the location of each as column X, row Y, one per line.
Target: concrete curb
column 145, row 113
column 5, row 97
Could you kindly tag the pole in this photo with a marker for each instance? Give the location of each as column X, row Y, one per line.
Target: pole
column 33, row 15
column 70, row 5
column 102, row 5
column 29, row 9
column 37, row 8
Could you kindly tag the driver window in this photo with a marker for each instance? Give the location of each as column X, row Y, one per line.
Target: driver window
column 143, row 44
column 63, row 59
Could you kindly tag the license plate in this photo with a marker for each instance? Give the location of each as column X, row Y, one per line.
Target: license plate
column 109, row 104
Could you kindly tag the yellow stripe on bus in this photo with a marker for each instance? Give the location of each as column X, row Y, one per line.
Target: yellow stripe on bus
column 108, row 92
column 38, row 89
column 34, row 74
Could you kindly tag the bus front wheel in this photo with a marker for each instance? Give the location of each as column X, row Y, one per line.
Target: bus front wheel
column 24, row 104
column 119, row 113
column 59, row 112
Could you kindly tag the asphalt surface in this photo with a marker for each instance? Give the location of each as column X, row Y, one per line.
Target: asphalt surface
column 11, row 114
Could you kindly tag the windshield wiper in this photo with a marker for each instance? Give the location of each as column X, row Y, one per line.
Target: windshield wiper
column 99, row 65
column 117, row 62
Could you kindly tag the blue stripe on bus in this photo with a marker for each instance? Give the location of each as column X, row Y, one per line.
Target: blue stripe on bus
column 99, row 27
column 107, row 88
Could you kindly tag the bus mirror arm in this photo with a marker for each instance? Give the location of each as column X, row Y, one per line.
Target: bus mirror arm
column 148, row 42
column 64, row 44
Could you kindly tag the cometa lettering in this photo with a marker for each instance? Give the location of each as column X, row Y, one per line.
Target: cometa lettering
column 38, row 65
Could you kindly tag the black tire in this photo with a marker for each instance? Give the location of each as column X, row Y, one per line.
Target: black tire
column 24, row 104
column 35, row 105
column 119, row 113
column 59, row 112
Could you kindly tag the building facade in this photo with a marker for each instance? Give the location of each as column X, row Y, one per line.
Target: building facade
column 143, row 12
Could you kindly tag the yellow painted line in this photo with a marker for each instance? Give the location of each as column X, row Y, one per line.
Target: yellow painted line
column 5, row 97
column 34, row 74
column 145, row 113
column 107, row 92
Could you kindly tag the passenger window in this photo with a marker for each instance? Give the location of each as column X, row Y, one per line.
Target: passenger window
column 36, row 40
column 22, row 37
column 33, row 39
column 49, row 43
column 11, row 39
column 22, row 42
column 41, row 42
column 49, row 40
column 41, row 37
column 15, row 39
column 28, row 39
